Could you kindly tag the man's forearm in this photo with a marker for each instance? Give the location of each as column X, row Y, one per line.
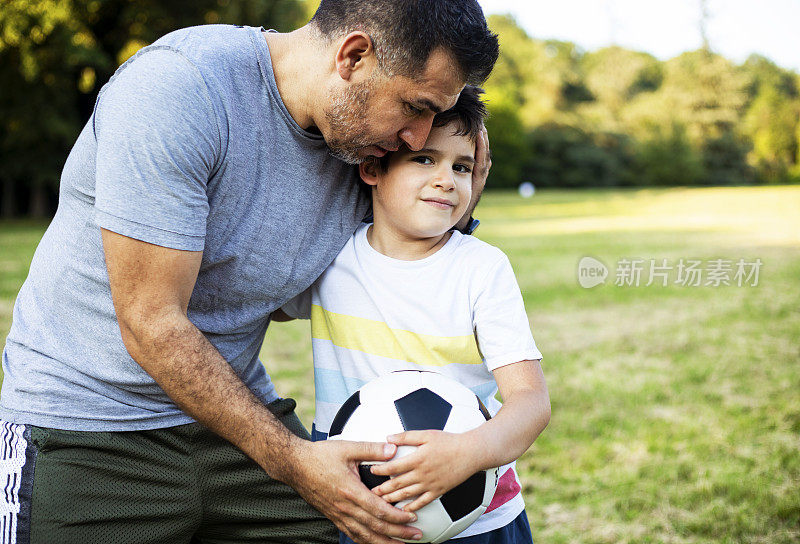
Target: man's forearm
column 202, row 383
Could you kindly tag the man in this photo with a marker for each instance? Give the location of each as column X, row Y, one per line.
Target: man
column 200, row 197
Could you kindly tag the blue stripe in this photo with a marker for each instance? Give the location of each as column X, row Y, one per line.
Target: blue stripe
column 485, row 391
column 331, row 386
column 317, row 436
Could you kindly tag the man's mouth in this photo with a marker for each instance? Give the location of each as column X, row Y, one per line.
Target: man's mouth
column 375, row 151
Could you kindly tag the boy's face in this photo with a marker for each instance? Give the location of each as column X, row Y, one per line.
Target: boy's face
column 422, row 194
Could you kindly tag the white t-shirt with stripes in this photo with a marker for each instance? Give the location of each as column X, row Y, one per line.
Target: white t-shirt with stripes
column 458, row 312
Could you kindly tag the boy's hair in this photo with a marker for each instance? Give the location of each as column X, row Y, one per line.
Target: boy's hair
column 405, row 32
column 467, row 116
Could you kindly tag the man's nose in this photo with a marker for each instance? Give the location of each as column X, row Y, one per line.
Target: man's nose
column 416, row 132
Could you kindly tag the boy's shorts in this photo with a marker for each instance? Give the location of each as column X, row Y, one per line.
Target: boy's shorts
column 176, row 485
column 516, row 532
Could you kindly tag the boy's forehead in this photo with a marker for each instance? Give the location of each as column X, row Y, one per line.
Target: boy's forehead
column 446, row 138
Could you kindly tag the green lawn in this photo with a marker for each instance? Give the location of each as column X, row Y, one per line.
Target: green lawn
column 676, row 409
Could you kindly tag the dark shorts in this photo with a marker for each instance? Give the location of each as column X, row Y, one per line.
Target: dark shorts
column 181, row 484
column 516, row 532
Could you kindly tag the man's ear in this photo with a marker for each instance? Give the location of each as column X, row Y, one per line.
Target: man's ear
column 369, row 171
column 354, row 53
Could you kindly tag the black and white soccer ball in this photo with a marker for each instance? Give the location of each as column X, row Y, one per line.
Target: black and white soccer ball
column 410, row 400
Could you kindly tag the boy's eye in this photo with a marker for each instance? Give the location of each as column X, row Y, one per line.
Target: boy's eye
column 462, row 168
column 422, row 159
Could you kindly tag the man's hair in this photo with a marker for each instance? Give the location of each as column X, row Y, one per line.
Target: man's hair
column 405, row 32
column 467, row 116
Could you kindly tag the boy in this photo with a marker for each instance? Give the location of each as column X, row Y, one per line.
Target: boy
column 407, row 292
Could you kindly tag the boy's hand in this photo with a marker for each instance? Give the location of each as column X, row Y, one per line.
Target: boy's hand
column 483, row 162
column 441, row 462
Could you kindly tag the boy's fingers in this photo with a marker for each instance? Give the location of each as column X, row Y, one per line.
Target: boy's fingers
column 419, row 502
column 409, row 492
column 409, row 438
column 396, row 466
column 392, row 485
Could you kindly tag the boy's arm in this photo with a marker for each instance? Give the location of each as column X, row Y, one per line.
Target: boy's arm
column 444, row 460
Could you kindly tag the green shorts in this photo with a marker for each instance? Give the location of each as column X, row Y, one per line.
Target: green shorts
column 181, row 484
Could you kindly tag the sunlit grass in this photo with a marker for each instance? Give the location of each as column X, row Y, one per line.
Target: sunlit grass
column 676, row 412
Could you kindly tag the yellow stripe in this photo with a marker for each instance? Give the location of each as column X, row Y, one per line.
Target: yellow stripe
column 377, row 338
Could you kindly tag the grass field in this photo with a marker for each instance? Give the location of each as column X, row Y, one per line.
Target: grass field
column 676, row 409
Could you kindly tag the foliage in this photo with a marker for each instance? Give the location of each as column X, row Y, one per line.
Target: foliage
column 55, row 55
column 696, row 119
column 507, row 140
column 560, row 116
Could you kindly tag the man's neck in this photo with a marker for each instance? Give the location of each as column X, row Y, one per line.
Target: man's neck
column 390, row 242
column 297, row 58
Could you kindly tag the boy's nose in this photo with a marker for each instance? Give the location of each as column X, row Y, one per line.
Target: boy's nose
column 444, row 180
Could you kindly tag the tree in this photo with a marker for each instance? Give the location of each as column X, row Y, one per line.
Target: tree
column 615, row 76
column 772, row 120
column 55, row 55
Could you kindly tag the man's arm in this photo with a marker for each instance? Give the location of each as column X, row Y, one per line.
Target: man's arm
column 151, row 286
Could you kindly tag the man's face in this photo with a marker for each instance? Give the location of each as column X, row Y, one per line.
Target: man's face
column 381, row 113
column 424, row 193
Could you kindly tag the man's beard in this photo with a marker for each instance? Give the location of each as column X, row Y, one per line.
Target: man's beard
column 347, row 123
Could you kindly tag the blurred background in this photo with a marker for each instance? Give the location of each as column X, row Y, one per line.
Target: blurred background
column 653, row 136
column 578, row 98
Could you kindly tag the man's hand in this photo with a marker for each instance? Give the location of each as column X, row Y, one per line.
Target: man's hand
column 326, row 476
column 441, row 462
column 483, row 162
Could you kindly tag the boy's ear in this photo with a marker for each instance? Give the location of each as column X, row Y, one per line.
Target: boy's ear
column 369, row 171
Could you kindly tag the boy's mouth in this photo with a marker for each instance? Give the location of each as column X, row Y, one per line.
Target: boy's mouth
column 440, row 203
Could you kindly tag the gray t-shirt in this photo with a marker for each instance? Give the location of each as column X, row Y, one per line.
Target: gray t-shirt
column 189, row 147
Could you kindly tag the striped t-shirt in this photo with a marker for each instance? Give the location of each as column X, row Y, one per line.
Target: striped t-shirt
column 458, row 312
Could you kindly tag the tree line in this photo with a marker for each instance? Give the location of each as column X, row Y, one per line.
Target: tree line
column 559, row 116
column 562, row 117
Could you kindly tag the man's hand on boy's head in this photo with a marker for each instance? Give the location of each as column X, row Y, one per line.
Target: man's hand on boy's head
column 441, row 462
column 483, row 162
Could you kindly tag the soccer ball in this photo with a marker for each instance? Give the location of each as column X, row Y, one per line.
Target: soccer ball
column 409, row 400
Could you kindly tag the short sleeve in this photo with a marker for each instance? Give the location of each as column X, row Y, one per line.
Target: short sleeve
column 300, row 306
column 501, row 324
column 157, row 145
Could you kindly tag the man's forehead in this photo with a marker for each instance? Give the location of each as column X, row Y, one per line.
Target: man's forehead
column 436, row 102
column 440, row 82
